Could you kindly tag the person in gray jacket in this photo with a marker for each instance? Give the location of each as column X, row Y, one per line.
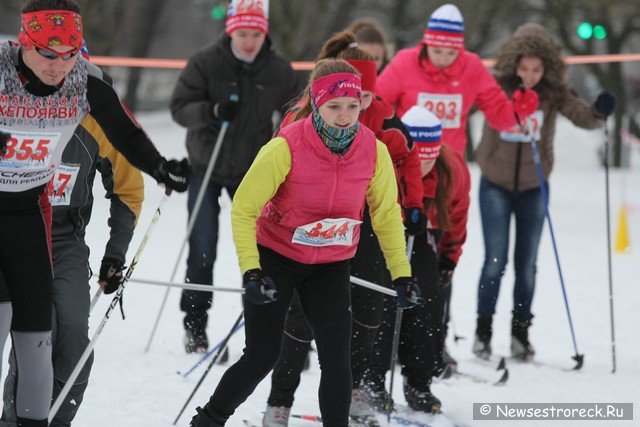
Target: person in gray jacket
column 509, row 184
column 240, row 63
column 70, row 195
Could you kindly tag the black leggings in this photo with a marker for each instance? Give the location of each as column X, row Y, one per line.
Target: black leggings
column 366, row 305
column 323, row 290
column 421, row 339
column 25, row 259
column 26, row 281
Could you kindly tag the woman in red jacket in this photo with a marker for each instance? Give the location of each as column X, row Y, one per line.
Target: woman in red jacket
column 446, row 186
column 440, row 75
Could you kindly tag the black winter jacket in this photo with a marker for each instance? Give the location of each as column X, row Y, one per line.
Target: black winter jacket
column 212, row 75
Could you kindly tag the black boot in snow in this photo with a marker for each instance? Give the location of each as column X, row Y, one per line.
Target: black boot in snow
column 376, row 395
column 204, row 419
column 421, row 399
column 521, row 348
column 482, row 342
column 195, row 341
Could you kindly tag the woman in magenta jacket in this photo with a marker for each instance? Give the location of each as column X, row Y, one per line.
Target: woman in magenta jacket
column 440, row 75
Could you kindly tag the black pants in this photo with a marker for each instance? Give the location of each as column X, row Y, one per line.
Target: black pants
column 366, row 305
column 203, row 242
column 26, row 279
column 323, row 290
column 420, row 349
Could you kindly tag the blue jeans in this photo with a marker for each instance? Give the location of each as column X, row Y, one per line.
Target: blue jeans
column 203, row 243
column 496, row 207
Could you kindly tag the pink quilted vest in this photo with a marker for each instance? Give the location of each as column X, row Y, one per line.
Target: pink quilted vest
column 320, row 185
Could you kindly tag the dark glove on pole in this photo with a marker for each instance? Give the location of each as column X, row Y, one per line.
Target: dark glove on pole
column 258, row 288
column 110, row 275
column 409, row 293
column 415, row 221
column 605, row 103
column 173, row 174
column 446, row 268
column 227, row 110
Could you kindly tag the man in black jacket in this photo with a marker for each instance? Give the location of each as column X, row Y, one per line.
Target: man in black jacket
column 240, row 63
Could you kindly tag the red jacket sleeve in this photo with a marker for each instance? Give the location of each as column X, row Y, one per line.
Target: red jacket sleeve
column 411, row 180
column 492, row 100
column 390, row 130
column 450, row 245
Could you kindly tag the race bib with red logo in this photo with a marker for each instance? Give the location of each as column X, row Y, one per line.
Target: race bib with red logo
column 27, row 159
column 447, row 107
column 326, row 232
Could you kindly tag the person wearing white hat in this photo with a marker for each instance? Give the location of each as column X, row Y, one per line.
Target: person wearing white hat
column 446, row 184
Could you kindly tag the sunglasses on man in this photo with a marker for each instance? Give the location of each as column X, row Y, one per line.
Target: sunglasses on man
column 52, row 54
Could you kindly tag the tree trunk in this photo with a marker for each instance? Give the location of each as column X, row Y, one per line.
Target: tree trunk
column 142, row 20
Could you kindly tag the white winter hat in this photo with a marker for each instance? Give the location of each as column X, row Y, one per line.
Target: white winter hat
column 425, row 130
column 445, row 28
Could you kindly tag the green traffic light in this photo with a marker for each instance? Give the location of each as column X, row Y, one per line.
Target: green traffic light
column 585, row 30
column 218, row 12
column 599, row 32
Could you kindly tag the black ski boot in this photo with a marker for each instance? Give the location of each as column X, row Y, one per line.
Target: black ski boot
column 482, row 342
column 521, row 348
column 204, row 419
column 195, row 341
column 421, row 399
column 376, row 394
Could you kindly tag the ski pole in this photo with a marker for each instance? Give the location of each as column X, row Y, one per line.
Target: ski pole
column 191, row 286
column 396, row 340
column 213, row 361
column 372, row 286
column 114, row 303
column 192, row 220
column 606, row 175
column 208, row 353
column 95, row 299
column 579, row 358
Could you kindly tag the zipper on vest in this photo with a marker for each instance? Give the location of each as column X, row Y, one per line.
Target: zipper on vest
column 332, row 195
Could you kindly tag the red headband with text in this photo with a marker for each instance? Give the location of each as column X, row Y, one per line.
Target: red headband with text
column 335, row 85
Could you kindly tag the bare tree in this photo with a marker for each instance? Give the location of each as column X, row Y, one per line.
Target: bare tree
column 141, row 22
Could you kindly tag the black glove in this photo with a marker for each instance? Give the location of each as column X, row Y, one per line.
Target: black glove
column 258, row 288
column 415, row 221
column 605, row 103
column 227, row 110
column 173, row 174
column 409, row 292
column 110, row 275
column 4, row 138
column 446, row 267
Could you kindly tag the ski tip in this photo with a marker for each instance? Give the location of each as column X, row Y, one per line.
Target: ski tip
column 503, row 378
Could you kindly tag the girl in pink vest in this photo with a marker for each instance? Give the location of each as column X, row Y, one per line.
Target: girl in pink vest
column 295, row 221
column 440, row 75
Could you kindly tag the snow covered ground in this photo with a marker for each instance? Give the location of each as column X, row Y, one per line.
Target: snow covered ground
column 129, row 388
